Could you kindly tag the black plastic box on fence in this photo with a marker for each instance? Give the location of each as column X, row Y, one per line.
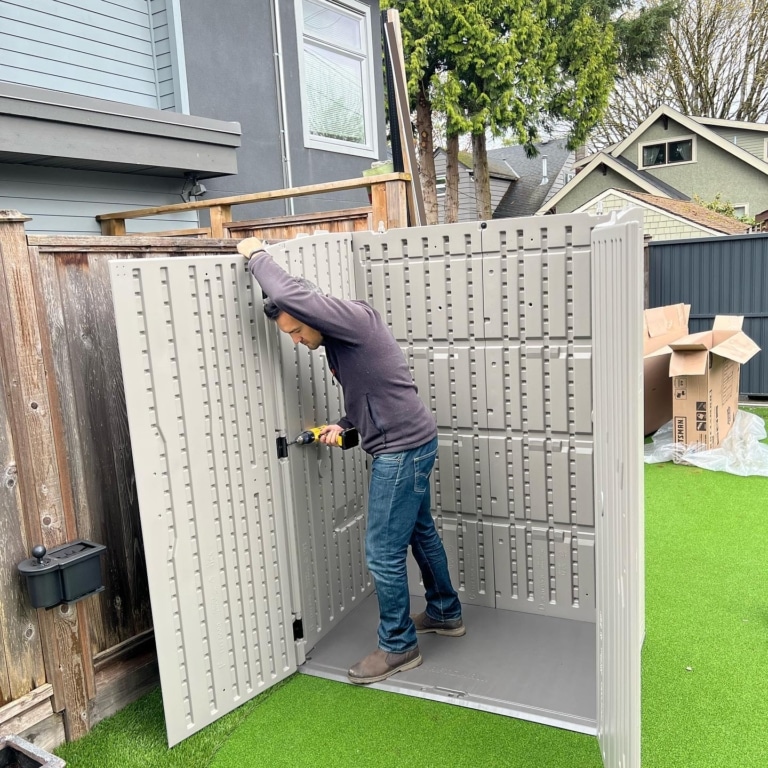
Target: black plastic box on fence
column 66, row 574
column 16, row 752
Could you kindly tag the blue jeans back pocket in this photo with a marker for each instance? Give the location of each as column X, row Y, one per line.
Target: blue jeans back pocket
column 422, row 467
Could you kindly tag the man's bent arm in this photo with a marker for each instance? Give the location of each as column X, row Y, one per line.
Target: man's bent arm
column 343, row 320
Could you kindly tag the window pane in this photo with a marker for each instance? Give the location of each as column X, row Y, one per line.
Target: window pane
column 653, row 154
column 329, row 24
column 681, row 151
column 334, row 95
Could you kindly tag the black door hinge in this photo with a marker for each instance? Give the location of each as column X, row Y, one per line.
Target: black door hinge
column 282, row 447
column 298, row 629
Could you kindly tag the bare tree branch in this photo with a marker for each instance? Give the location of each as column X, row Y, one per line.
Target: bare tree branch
column 715, row 65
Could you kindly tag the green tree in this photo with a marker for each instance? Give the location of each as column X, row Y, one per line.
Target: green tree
column 422, row 23
column 503, row 66
column 713, row 63
column 724, row 207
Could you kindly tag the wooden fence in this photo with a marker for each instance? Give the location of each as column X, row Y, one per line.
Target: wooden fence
column 66, row 469
column 65, row 460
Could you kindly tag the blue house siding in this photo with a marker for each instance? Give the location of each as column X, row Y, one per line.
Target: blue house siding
column 63, row 201
column 118, row 50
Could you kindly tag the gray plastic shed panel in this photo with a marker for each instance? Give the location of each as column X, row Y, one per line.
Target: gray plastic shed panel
column 329, row 487
column 617, row 319
column 200, row 406
column 508, row 325
column 495, row 320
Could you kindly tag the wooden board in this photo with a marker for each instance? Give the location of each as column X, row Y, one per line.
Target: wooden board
column 394, row 42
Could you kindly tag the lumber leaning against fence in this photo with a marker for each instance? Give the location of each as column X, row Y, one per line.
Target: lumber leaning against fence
column 388, row 200
column 48, row 515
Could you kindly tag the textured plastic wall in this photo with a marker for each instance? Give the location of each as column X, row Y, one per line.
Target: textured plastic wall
column 328, row 487
column 618, row 396
column 495, row 320
column 200, row 406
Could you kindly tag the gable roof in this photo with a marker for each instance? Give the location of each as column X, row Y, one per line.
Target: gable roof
column 737, row 124
column 687, row 210
column 612, row 156
column 646, row 181
column 528, row 193
column 697, row 127
column 495, row 169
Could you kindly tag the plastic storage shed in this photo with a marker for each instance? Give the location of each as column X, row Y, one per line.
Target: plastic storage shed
column 524, row 337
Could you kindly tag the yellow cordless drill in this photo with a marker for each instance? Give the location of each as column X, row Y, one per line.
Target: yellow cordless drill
column 349, row 438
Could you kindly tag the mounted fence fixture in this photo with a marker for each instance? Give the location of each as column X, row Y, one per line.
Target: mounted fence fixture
column 66, row 574
column 15, row 751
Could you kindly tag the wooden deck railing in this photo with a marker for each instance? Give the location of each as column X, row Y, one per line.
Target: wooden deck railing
column 388, row 194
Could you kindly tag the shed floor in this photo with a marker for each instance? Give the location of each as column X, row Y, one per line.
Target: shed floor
column 523, row 665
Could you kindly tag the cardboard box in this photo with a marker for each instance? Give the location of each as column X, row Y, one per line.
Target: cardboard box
column 704, row 370
column 661, row 326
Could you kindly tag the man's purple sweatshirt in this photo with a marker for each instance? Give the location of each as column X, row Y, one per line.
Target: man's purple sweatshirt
column 380, row 396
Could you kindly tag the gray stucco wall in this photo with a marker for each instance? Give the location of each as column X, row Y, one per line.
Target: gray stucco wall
column 715, row 170
column 230, row 71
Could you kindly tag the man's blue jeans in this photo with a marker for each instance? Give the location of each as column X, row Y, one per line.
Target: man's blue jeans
column 399, row 515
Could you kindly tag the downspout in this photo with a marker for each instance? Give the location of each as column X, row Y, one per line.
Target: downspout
column 282, row 115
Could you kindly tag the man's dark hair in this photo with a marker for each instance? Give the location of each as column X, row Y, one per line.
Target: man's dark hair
column 271, row 310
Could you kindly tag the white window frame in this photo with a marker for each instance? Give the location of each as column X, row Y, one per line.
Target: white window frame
column 361, row 13
column 668, row 141
column 440, row 186
column 745, row 206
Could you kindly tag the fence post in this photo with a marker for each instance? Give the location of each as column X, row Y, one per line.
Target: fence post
column 389, row 203
column 113, row 227
column 220, row 215
column 46, row 496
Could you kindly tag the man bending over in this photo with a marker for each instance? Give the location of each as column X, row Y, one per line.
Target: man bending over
column 398, row 431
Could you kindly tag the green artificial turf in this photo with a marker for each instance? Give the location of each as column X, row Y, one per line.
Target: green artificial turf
column 705, row 659
column 705, row 672
column 317, row 722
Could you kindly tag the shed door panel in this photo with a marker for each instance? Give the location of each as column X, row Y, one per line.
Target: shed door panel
column 329, row 487
column 200, row 401
column 617, row 311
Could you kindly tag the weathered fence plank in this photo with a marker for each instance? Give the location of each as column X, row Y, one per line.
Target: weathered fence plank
column 21, row 655
column 48, row 509
column 77, row 296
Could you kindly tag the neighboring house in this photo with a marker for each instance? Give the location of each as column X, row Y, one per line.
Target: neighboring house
column 113, row 104
column 519, row 184
column 665, row 218
column 540, row 177
column 501, row 177
column 674, row 157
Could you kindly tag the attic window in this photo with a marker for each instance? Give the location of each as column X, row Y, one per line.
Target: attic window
column 440, row 186
column 336, row 76
column 681, row 150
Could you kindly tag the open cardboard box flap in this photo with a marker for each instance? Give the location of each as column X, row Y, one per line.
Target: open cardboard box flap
column 690, row 363
column 726, row 339
column 739, row 348
column 662, row 325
